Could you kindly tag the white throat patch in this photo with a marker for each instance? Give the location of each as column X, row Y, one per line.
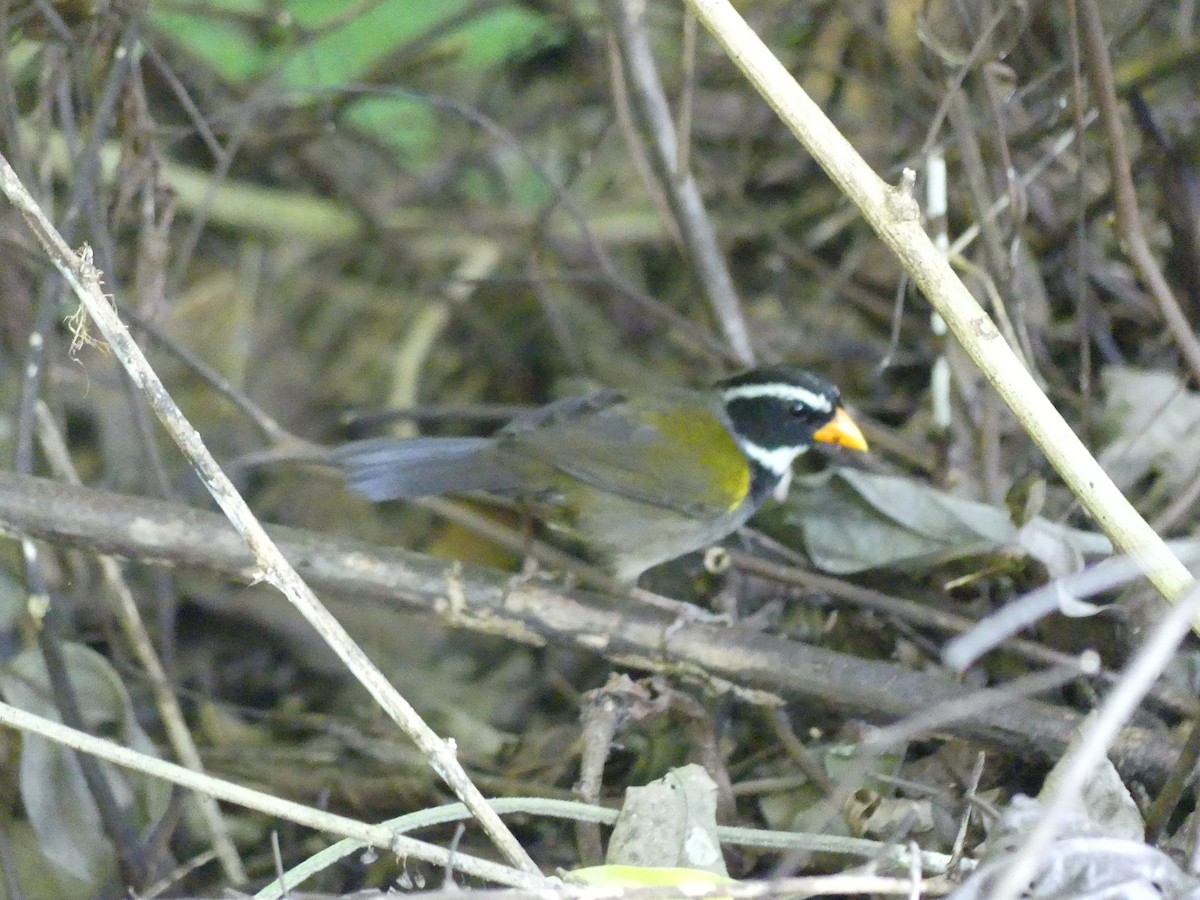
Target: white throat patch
column 790, row 393
column 777, row 462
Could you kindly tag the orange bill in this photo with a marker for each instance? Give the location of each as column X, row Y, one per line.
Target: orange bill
column 842, row 431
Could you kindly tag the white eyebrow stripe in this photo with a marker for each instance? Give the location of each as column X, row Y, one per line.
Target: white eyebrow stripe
column 788, row 392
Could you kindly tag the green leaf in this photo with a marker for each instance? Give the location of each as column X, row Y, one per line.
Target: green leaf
column 1153, row 424
column 669, row 823
column 301, row 54
column 851, row 521
column 55, row 796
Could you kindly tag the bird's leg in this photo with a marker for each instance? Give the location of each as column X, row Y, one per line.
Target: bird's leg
column 683, row 611
column 529, row 560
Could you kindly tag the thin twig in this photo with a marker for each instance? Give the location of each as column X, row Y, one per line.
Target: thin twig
column 1083, row 302
column 130, row 617
column 274, row 568
column 1158, row 816
column 896, row 218
column 925, row 616
column 650, row 104
column 271, row 430
column 372, row 835
column 1095, row 740
column 886, row 740
column 989, row 227
column 757, row 667
column 1129, row 218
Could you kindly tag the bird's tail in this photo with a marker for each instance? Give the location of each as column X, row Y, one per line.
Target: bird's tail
column 392, row 468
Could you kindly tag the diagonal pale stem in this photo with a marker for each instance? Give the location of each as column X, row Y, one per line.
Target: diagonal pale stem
column 895, row 216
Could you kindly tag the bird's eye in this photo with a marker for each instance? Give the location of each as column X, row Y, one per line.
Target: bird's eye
column 798, row 410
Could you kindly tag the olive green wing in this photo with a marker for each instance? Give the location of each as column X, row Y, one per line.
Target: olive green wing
column 673, row 451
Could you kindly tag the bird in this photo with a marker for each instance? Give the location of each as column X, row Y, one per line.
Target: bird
column 636, row 478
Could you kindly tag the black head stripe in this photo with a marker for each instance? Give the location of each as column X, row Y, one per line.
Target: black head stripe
column 779, row 407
